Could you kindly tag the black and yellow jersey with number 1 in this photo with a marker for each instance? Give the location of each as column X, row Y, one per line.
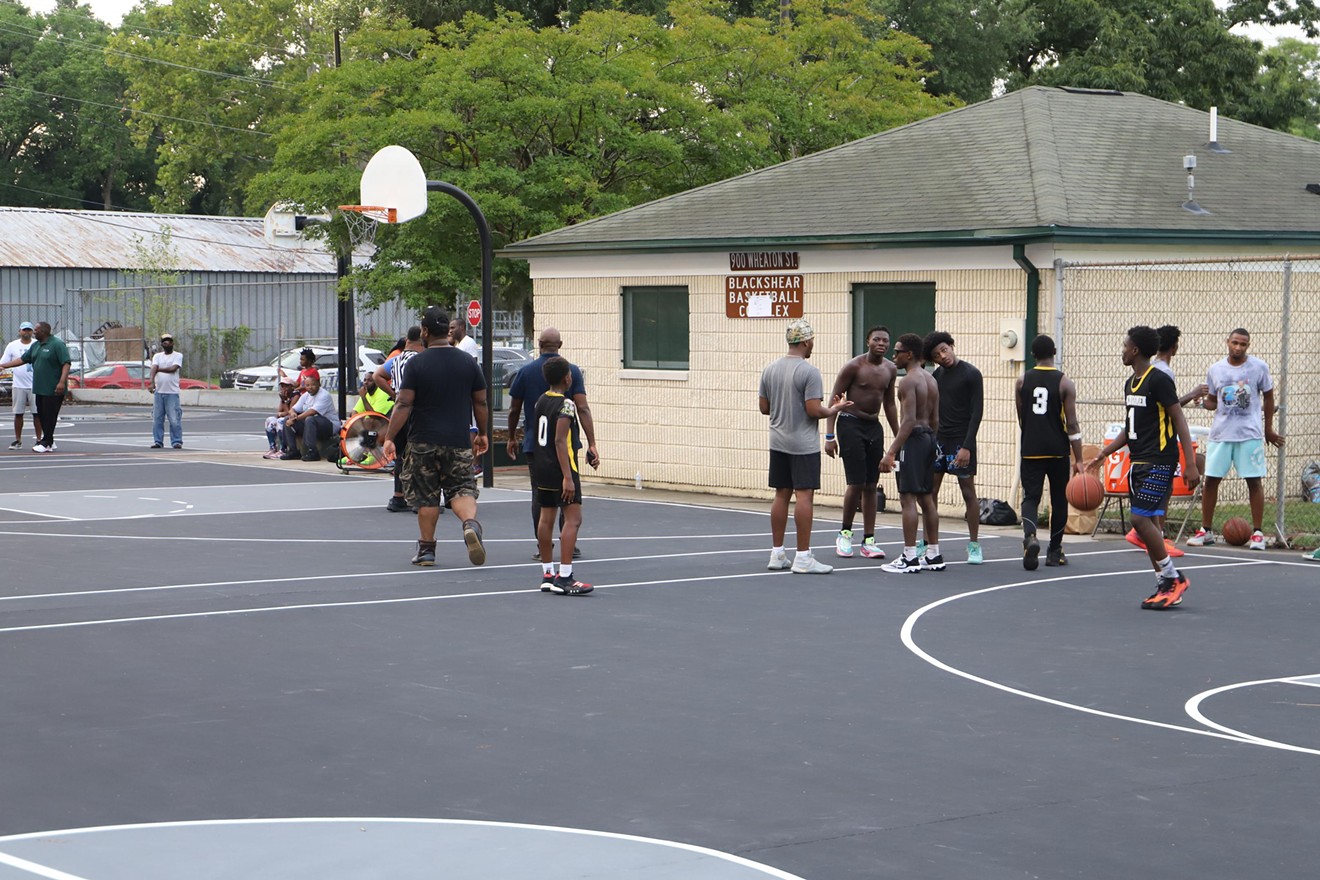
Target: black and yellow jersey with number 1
column 1150, row 431
column 1044, row 432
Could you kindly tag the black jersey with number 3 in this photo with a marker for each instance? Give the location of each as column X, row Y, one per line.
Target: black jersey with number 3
column 1044, row 433
column 549, row 409
column 1150, row 432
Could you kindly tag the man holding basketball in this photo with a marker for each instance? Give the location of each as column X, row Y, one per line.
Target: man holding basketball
column 1047, row 412
column 868, row 381
column 916, row 448
column 1153, row 428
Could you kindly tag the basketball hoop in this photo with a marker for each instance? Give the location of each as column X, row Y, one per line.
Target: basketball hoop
column 362, row 221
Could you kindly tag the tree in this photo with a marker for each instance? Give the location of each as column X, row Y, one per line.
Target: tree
column 63, row 143
column 549, row 127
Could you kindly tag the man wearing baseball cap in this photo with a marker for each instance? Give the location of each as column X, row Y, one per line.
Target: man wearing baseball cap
column 164, row 385
column 49, row 358
column 22, row 387
column 791, row 394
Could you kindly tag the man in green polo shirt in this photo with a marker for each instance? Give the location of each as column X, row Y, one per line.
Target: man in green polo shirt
column 49, row 357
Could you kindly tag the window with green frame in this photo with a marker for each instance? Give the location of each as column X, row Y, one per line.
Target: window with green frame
column 655, row 328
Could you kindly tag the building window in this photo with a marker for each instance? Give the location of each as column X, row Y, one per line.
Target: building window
column 655, row 328
column 903, row 308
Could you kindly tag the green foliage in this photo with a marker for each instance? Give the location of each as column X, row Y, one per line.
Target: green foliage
column 549, row 127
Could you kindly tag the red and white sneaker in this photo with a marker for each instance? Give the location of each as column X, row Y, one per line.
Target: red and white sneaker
column 871, row 551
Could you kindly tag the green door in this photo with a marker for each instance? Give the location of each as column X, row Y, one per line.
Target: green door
column 907, row 307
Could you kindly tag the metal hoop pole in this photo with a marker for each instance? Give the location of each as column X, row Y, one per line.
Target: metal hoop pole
column 487, row 339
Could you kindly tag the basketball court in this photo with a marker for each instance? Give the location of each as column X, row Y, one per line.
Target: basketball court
column 220, row 666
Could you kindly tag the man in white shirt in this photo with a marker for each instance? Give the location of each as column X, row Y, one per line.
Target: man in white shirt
column 164, row 384
column 459, row 339
column 22, row 388
column 314, row 418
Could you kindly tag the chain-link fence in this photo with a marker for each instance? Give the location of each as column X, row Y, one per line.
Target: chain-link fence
column 12, row 314
column 1275, row 299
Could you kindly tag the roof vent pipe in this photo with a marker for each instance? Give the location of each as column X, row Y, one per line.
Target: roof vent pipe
column 1214, row 145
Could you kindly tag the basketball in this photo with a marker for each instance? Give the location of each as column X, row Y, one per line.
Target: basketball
column 1237, row 531
column 1085, row 492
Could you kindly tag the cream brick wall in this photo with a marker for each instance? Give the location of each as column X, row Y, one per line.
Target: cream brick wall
column 703, row 429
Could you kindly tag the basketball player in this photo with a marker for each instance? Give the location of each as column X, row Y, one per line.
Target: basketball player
column 1047, row 412
column 558, row 437
column 1152, row 430
column 868, row 381
column 914, row 443
column 962, row 402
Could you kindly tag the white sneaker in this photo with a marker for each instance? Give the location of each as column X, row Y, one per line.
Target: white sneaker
column 1202, row 538
column 778, row 561
column 40, row 448
column 805, row 563
column 903, row 565
column 843, row 544
column 1257, row 541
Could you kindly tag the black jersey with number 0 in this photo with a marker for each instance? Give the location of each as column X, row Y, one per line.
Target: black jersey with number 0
column 550, row 408
column 1150, row 432
column 1044, row 431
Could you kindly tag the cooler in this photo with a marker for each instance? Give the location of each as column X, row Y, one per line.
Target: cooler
column 1114, row 469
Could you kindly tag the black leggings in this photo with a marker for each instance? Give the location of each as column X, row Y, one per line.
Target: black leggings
column 48, row 415
column 1034, row 472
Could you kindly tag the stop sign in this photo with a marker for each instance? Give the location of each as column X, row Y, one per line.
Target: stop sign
column 474, row 312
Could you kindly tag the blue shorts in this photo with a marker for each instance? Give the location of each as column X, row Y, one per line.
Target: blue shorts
column 1149, row 487
column 1247, row 457
column 944, row 462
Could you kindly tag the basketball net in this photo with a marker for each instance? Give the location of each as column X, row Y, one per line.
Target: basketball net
column 362, row 221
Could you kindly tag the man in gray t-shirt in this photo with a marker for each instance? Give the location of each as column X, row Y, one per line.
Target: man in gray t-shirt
column 790, row 394
column 1240, row 392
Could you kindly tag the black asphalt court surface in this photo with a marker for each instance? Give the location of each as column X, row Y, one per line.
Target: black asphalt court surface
column 217, row 666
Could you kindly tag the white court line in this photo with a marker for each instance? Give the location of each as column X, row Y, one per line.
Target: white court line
column 910, row 643
column 35, row 869
column 1193, row 708
column 362, row 820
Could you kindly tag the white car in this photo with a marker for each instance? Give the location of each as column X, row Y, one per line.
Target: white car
column 265, row 377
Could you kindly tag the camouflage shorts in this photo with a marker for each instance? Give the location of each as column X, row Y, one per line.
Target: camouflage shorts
column 429, row 470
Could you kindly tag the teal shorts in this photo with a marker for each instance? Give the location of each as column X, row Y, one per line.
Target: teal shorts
column 1247, row 457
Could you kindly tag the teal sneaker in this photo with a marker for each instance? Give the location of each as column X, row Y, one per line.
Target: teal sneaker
column 1314, row 555
column 974, row 553
column 843, row 544
column 921, row 549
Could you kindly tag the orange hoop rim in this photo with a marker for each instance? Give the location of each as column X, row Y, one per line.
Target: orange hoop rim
column 378, row 213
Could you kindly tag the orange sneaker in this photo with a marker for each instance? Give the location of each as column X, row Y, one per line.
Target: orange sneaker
column 1174, row 552
column 1135, row 540
column 1169, row 595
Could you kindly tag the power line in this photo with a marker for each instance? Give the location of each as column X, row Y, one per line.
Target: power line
column 121, row 109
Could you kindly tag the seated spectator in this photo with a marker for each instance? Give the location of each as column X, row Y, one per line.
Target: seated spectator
column 314, row 418
column 373, row 398
column 275, row 423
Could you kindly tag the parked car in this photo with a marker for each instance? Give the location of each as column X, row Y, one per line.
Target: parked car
column 265, row 377
column 505, row 361
column 121, row 374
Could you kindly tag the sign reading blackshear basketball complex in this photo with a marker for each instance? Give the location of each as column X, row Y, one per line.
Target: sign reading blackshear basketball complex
column 763, row 295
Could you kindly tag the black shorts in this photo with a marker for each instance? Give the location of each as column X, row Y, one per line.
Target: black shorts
column 1149, row 487
column 861, row 446
column 546, row 497
column 916, row 462
column 944, row 460
column 789, row 471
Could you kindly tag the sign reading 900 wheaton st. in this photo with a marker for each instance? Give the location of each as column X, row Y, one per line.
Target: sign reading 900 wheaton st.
column 763, row 296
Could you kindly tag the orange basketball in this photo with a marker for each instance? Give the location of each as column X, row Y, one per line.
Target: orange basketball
column 1237, row 531
column 1085, row 492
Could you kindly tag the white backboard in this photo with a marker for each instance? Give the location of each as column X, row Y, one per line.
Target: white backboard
column 395, row 179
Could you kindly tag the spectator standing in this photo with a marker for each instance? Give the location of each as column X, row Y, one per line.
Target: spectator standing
column 1240, row 392
column 389, row 378
column 460, row 340
column 442, row 392
column 164, row 385
column 528, row 385
column 868, row 381
column 790, row 394
column 314, row 418
column 915, row 446
column 962, row 402
column 49, row 357
column 22, row 397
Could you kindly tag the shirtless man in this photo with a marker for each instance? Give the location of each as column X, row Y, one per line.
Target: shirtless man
column 868, row 381
column 914, row 443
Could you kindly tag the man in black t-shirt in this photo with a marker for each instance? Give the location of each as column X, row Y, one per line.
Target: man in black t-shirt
column 557, row 436
column 962, row 401
column 440, row 394
column 1152, row 430
column 1047, row 412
